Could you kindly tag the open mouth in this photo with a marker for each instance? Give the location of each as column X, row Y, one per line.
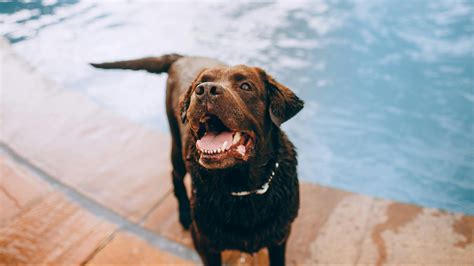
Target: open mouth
column 216, row 141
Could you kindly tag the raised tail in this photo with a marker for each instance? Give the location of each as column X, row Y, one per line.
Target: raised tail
column 151, row 64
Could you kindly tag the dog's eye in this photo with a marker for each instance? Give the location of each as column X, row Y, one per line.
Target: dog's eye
column 245, row 86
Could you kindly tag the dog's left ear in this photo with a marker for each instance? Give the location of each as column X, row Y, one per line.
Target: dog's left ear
column 284, row 104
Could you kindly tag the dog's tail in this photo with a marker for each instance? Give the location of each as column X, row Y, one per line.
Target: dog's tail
column 151, row 64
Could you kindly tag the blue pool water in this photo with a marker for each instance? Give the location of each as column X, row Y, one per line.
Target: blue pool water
column 388, row 85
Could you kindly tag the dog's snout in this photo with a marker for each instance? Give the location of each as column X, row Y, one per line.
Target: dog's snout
column 208, row 89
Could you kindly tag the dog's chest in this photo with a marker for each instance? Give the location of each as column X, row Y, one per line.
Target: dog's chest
column 231, row 211
column 245, row 223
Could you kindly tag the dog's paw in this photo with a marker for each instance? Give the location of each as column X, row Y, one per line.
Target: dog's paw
column 185, row 219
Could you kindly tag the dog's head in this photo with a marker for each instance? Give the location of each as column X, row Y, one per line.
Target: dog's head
column 232, row 111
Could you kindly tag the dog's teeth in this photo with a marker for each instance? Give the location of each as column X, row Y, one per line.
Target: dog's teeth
column 241, row 149
column 236, row 138
column 224, row 145
column 214, row 151
column 219, row 150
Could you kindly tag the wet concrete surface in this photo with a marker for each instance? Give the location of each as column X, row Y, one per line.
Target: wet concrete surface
column 83, row 185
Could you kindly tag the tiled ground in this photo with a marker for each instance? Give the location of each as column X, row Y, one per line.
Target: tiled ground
column 82, row 185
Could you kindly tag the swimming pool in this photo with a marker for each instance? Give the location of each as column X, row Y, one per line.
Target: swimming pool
column 388, row 85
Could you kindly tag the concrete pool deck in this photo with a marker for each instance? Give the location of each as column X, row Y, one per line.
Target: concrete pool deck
column 83, row 185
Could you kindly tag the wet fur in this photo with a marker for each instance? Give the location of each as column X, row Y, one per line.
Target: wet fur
column 218, row 220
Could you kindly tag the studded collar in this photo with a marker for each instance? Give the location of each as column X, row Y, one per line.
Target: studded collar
column 262, row 190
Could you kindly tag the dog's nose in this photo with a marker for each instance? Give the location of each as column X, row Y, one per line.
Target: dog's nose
column 208, row 89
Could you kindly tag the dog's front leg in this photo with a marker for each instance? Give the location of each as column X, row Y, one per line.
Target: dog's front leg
column 208, row 257
column 178, row 174
column 277, row 254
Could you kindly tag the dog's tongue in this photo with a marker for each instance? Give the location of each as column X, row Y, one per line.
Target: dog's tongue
column 212, row 141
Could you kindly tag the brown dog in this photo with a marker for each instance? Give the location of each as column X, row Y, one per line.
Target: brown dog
column 225, row 126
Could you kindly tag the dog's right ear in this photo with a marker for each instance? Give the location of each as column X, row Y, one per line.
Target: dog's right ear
column 185, row 99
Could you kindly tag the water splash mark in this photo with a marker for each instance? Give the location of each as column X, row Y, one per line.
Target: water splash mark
column 6, row 172
column 315, row 216
column 10, row 197
column 398, row 214
column 464, row 227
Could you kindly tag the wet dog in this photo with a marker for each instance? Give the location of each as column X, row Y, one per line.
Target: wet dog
column 225, row 127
